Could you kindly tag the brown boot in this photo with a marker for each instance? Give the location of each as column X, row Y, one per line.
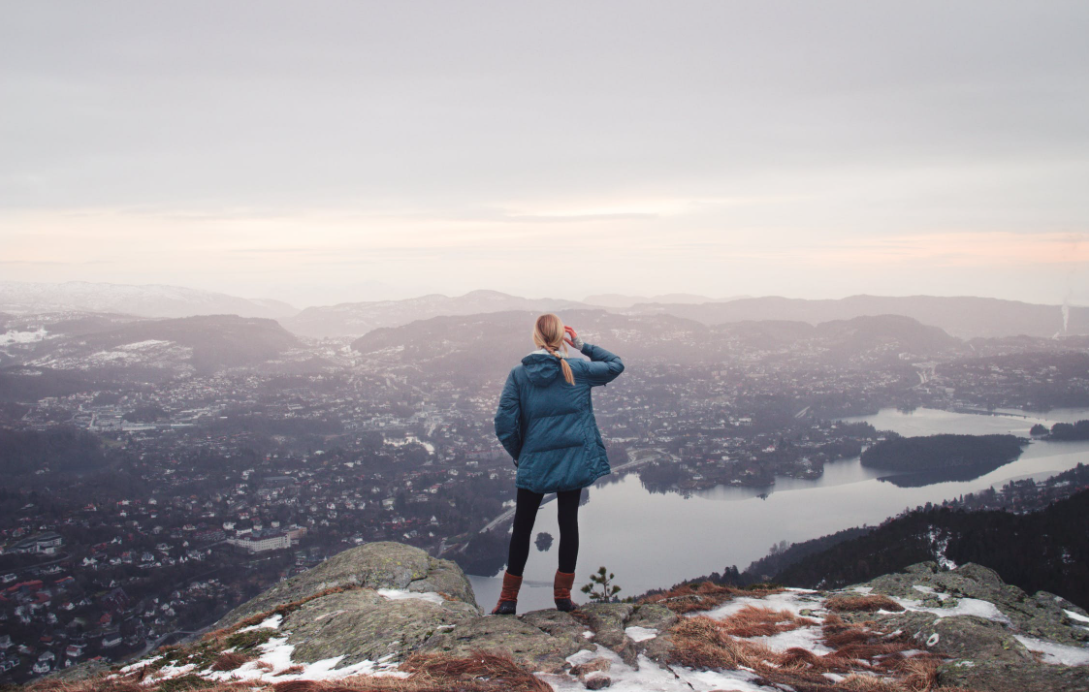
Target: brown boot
column 561, row 591
column 508, row 597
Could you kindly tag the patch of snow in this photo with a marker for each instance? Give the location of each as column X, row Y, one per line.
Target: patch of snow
column 940, row 543
column 276, row 653
column 272, row 622
column 930, row 590
column 588, row 634
column 862, row 590
column 168, row 672
column 14, row 337
column 140, row 664
column 1076, row 616
column 965, row 606
column 141, row 345
column 805, row 638
column 793, row 600
column 399, row 595
column 709, row 680
column 1056, row 654
column 640, row 634
column 652, row 677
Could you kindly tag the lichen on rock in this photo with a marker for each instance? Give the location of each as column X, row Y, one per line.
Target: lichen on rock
column 383, row 565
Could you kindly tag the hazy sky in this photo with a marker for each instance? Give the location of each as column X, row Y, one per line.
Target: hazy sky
column 321, row 151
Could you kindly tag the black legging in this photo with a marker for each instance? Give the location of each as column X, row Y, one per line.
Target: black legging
column 525, row 512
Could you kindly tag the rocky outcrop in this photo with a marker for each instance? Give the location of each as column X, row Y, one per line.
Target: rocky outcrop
column 386, row 601
column 389, row 609
column 996, row 636
column 373, row 566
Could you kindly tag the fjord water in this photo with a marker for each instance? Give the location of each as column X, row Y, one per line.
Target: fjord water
column 655, row 540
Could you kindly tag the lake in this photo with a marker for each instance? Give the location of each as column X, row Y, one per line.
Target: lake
column 656, row 540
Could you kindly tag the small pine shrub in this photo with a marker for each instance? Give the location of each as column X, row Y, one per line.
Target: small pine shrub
column 601, row 588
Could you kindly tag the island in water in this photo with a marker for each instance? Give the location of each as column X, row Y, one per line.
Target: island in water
column 940, row 458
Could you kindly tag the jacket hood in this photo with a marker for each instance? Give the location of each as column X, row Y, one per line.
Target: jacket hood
column 541, row 368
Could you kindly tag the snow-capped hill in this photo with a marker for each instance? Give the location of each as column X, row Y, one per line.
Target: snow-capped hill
column 150, row 300
column 83, row 343
column 386, row 616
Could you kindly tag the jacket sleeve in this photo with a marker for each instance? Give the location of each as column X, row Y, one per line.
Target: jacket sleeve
column 604, row 366
column 508, row 425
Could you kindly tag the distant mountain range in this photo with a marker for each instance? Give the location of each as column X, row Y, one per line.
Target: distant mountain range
column 150, row 300
column 356, row 319
column 618, row 300
column 962, row 317
column 487, row 345
column 843, row 337
column 966, row 318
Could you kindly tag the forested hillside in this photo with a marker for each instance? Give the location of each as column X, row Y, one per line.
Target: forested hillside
column 1046, row 550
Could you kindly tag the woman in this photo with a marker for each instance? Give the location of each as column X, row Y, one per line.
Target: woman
column 545, row 421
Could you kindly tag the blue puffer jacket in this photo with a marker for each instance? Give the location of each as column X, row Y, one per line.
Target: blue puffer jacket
column 548, row 426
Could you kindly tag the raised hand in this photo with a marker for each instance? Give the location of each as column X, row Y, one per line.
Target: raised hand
column 573, row 334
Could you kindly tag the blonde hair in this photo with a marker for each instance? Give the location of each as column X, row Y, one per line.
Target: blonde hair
column 548, row 334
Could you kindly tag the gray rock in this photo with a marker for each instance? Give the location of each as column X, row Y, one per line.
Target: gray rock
column 527, row 644
column 652, row 616
column 963, row 637
column 557, row 624
column 1039, row 616
column 659, row 649
column 995, row 676
column 376, row 566
column 361, row 625
column 608, row 621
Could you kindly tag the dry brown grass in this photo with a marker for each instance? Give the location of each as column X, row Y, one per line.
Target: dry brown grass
column 99, row 683
column 838, row 633
column 480, row 667
column 869, row 683
column 751, row 621
column 861, row 642
column 804, row 659
column 363, row 683
column 871, row 659
column 918, row 674
column 867, row 603
column 688, row 598
column 480, row 672
column 231, row 661
column 702, row 642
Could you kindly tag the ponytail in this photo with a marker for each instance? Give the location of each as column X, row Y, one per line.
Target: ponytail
column 566, row 367
column 549, row 330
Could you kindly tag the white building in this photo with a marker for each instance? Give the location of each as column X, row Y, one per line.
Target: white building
column 262, row 542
